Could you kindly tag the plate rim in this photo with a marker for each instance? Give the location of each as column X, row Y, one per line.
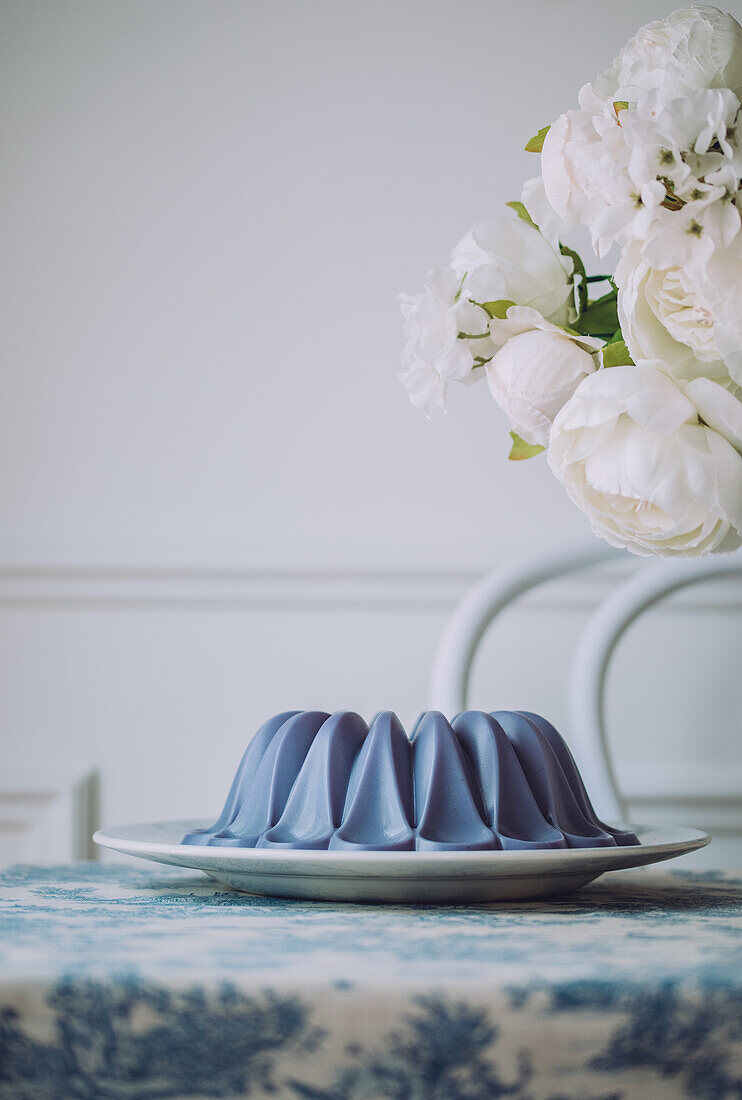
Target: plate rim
column 686, row 839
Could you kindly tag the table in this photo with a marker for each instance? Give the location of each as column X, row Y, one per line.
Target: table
column 137, row 981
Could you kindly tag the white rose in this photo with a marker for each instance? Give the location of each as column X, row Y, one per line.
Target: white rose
column 665, row 314
column 436, row 353
column 694, row 47
column 630, row 451
column 509, row 259
column 536, row 370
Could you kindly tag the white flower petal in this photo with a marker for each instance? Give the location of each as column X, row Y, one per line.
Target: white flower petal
column 721, row 410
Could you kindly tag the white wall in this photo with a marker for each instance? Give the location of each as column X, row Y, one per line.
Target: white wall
column 217, row 502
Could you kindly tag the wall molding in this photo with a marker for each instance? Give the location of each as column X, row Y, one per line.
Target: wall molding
column 340, row 586
column 47, row 820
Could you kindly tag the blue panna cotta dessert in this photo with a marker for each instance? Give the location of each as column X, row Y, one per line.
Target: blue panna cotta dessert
column 484, row 781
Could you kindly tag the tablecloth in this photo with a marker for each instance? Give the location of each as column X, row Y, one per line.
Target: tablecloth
column 153, row 983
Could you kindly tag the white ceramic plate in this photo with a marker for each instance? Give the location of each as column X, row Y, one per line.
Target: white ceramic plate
column 399, row 877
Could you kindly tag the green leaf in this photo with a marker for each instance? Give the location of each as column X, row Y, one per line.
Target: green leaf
column 536, row 144
column 616, row 354
column 520, row 449
column 578, row 274
column 522, row 213
column 579, row 267
column 600, row 318
column 498, row 309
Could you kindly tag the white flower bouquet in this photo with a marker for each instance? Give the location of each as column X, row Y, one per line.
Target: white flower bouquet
column 635, row 395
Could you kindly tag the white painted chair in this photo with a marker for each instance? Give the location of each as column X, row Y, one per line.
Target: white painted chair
column 586, row 735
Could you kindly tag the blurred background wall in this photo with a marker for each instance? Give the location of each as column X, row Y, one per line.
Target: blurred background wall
column 216, row 502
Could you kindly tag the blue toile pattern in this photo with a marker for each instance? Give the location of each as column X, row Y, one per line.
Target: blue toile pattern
column 120, row 983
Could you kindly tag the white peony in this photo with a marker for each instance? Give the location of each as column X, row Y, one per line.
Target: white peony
column 435, row 353
column 624, row 173
column 665, row 314
column 657, row 129
column 692, row 123
column 632, row 454
column 564, row 166
column 536, row 370
column 722, row 288
column 694, row 47
column 590, row 176
column 691, row 146
column 509, row 259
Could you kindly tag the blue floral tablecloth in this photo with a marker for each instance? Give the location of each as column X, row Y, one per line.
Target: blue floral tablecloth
column 149, row 983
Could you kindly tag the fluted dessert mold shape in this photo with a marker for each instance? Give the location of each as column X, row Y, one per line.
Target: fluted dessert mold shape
column 314, row 780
